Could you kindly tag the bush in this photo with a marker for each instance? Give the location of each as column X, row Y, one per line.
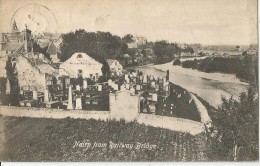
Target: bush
column 177, row 62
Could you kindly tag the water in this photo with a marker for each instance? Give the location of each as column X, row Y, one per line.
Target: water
column 194, row 81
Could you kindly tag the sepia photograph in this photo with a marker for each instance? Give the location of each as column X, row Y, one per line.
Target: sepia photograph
column 129, row 81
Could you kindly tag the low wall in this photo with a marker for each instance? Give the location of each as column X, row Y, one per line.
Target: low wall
column 202, row 110
column 171, row 123
column 53, row 113
column 123, row 105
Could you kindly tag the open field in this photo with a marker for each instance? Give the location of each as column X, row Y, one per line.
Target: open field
column 38, row 139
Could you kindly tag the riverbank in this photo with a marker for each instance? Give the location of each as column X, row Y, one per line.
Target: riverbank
column 209, row 86
column 192, row 58
column 195, row 73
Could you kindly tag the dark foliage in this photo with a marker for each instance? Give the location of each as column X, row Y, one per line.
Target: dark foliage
column 37, row 48
column 13, row 98
column 177, row 62
column 3, row 96
column 246, row 69
column 165, row 51
column 128, row 38
column 98, row 45
column 105, row 71
column 236, row 126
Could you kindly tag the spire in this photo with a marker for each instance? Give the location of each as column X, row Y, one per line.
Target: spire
column 14, row 28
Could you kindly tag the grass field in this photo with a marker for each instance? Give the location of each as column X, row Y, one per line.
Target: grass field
column 35, row 139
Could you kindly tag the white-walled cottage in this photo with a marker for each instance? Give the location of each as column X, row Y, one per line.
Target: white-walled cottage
column 81, row 64
column 115, row 67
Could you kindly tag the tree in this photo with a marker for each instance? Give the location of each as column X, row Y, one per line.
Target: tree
column 177, row 62
column 13, row 79
column 105, row 71
column 37, row 48
column 165, row 51
column 98, row 45
column 128, row 38
column 236, row 126
column 244, row 53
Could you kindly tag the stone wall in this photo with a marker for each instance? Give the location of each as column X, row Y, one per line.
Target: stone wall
column 171, row 123
column 123, row 105
column 52, row 113
column 205, row 118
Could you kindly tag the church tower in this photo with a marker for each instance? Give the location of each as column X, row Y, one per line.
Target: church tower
column 14, row 28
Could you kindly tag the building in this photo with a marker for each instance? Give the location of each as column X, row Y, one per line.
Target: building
column 115, row 67
column 16, row 41
column 50, row 42
column 53, row 51
column 32, row 75
column 81, row 64
column 138, row 41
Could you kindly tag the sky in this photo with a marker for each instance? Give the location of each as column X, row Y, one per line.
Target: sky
column 185, row 21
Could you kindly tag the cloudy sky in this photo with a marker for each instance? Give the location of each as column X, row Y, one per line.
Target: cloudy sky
column 189, row 21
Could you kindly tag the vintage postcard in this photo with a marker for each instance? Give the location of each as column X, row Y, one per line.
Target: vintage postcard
column 132, row 80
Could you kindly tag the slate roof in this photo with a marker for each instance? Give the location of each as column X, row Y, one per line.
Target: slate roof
column 52, row 49
column 43, row 43
column 10, row 46
column 46, row 68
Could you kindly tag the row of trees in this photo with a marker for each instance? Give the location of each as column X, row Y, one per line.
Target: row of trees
column 245, row 69
column 166, row 51
column 104, row 45
column 99, row 45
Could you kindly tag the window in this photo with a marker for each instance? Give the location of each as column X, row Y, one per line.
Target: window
column 91, row 75
column 116, row 63
column 79, row 72
column 79, row 56
column 6, row 52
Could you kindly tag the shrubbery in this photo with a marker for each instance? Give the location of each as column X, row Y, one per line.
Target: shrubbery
column 236, row 129
column 245, row 69
column 177, row 62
